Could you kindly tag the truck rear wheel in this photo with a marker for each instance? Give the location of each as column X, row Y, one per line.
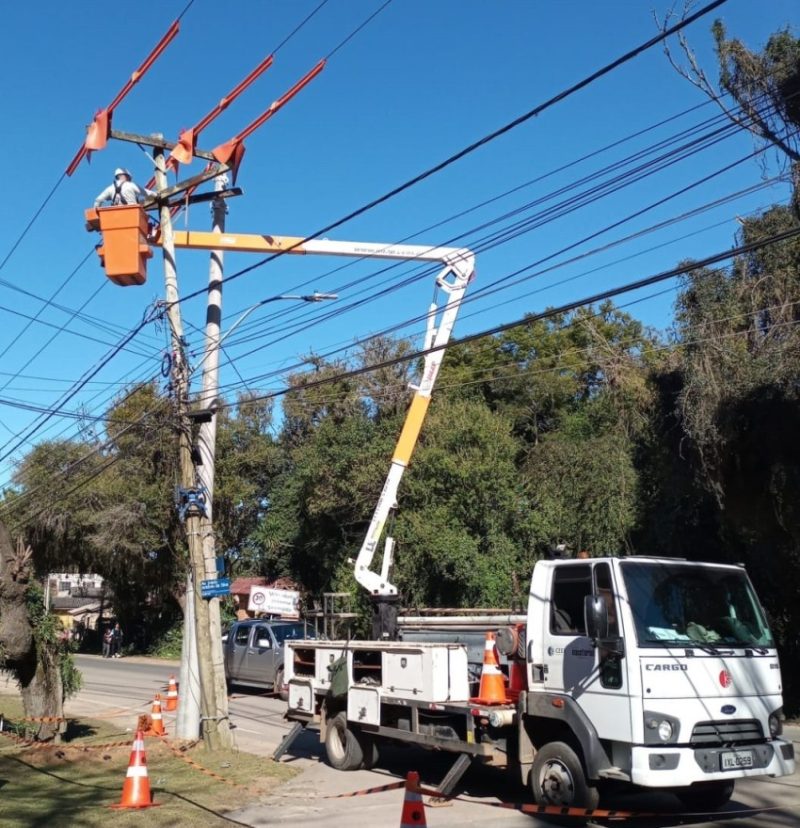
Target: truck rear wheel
column 706, row 796
column 341, row 744
column 557, row 778
column 369, row 748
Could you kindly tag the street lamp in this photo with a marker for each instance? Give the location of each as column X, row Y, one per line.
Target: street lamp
column 307, row 297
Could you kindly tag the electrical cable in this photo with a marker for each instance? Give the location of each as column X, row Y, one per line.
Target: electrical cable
column 69, row 395
column 525, row 374
column 31, row 222
column 342, row 310
column 514, row 372
column 297, row 28
column 457, row 239
column 557, row 266
column 683, row 23
column 356, row 31
column 496, row 284
column 284, row 312
column 452, row 159
column 600, row 296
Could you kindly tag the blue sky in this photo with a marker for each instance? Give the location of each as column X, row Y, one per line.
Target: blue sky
column 422, row 80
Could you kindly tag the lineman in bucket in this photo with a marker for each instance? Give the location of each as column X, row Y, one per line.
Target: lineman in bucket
column 124, row 190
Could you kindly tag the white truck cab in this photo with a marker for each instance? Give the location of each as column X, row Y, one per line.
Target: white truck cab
column 677, row 681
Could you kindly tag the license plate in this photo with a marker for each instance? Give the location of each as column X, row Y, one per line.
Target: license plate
column 735, row 759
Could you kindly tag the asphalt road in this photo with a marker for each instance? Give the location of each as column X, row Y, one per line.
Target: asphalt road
column 120, row 689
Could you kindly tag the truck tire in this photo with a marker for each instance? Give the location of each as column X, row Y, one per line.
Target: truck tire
column 706, row 796
column 342, row 745
column 369, row 747
column 557, row 778
column 277, row 686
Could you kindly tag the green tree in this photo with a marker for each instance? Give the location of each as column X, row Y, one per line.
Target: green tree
column 462, row 526
column 739, row 406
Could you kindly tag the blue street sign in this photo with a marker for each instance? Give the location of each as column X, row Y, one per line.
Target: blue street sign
column 215, row 587
column 220, row 565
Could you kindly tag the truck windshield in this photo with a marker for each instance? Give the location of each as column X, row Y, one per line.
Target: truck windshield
column 692, row 605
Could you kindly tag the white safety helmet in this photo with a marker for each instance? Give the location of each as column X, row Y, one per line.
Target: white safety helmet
column 120, row 171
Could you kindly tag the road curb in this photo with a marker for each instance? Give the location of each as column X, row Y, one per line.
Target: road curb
column 134, row 659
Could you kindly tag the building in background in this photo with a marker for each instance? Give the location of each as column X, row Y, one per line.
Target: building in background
column 79, row 600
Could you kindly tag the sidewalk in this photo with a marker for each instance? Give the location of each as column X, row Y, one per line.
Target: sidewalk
column 138, row 659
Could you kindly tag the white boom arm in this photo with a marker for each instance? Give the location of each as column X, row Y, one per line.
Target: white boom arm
column 453, row 280
column 459, row 268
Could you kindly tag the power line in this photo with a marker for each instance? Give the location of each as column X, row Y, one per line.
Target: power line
column 440, row 388
column 514, row 231
column 356, row 31
column 280, row 45
column 70, row 394
column 498, row 284
column 551, row 312
column 558, row 266
column 297, row 28
column 537, row 110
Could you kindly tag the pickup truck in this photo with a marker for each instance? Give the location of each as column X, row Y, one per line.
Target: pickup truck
column 253, row 651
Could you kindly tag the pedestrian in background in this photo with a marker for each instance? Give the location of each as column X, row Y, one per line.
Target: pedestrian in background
column 116, row 641
column 108, row 638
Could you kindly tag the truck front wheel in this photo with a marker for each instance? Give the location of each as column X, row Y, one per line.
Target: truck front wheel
column 343, row 748
column 557, row 778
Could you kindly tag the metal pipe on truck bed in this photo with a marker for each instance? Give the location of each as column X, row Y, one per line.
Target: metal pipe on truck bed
column 467, row 621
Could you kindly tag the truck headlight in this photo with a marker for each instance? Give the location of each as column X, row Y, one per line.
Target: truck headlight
column 664, row 730
column 776, row 723
column 660, row 728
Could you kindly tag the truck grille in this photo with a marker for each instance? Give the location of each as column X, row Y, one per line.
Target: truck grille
column 727, row 733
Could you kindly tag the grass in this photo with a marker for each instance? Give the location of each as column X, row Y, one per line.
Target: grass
column 68, row 786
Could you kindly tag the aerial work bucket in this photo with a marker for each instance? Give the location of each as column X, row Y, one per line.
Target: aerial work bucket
column 125, row 251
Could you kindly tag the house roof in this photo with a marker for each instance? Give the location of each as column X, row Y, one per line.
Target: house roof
column 68, row 602
column 241, row 586
column 93, row 607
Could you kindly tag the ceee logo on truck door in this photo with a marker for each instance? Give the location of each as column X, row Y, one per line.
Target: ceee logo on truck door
column 725, row 679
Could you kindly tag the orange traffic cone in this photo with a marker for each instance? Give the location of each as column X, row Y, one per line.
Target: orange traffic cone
column 157, row 723
column 492, row 688
column 413, row 806
column 172, row 695
column 136, row 790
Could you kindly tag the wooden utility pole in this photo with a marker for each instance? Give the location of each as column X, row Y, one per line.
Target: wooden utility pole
column 216, row 733
column 206, row 441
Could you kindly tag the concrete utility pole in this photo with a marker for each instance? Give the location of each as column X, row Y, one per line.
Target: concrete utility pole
column 187, row 723
column 214, row 736
column 207, row 436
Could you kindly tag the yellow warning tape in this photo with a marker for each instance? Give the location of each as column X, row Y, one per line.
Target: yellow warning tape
column 180, row 754
column 379, row 789
column 555, row 810
column 22, row 743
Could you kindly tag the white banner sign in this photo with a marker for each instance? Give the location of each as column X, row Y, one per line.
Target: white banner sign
column 283, row 602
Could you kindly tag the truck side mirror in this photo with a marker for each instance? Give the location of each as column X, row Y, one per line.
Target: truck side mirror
column 264, row 642
column 595, row 614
